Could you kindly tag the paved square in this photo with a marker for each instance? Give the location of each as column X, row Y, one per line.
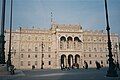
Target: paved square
column 57, row 74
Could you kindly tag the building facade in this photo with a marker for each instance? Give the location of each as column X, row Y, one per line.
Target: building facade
column 61, row 44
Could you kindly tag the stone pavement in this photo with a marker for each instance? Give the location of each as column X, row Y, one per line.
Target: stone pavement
column 57, row 74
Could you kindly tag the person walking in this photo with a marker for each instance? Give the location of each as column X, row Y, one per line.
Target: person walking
column 97, row 65
column 86, row 65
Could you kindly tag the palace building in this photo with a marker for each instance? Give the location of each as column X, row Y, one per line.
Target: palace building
column 61, row 44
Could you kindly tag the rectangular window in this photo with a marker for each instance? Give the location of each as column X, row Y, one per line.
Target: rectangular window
column 49, row 56
column 95, row 49
column 49, row 48
column 90, row 62
column 29, row 49
column 36, row 63
column 42, row 55
column 89, row 55
column 101, row 62
column 49, row 62
column 21, row 55
column 22, row 50
column 95, row 55
column 28, row 63
column 107, row 62
column 35, row 56
column 36, row 49
column 84, row 55
column 21, row 63
column 28, row 56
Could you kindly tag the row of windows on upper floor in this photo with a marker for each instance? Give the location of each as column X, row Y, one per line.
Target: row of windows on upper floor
column 36, row 38
column 85, row 55
column 29, row 63
column 98, row 49
column 35, row 56
column 30, row 37
column 36, row 49
column 98, row 39
column 95, row 49
column 100, row 56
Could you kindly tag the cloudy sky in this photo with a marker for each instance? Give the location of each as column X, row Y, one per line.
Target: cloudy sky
column 90, row 14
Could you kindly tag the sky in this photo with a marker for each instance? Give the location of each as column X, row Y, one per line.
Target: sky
column 90, row 14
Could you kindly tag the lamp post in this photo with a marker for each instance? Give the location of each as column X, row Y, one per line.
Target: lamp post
column 9, row 53
column 111, row 70
column 42, row 57
column 2, row 41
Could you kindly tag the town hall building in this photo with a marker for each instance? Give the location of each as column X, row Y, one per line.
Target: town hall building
column 64, row 44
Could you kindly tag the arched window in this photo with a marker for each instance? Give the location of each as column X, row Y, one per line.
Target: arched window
column 69, row 42
column 77, row 43
column 62, row 42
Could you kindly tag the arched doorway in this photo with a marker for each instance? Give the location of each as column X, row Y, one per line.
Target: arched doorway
column 63, row 60
column 77, row 62
column 70, row 60
column 77, row 59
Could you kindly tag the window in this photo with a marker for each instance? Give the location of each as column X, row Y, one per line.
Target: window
column 95, row 55
column 28, row 63
column 36, row 63
column 101, row 56
column 84, row 55
column 29, row 49
column 61, row 45
column 101, row 62
column 21, row 55
column 49, row 56
column 35, row 56
column 100, row 49
column 89, row 55
column 22, row 49
column 28, row 56
column 90, row 62
column 89, row 49
column 49, row 48
column 106, row 55
column 49, row 62
column 49, row 39
column 21, row 63
column 42, row 55
column 107, row 61
column 95, row 49
column 106, row 49
column 36, row 49
column 114, row 55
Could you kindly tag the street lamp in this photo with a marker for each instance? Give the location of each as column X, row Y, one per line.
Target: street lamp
column 111, row 71
column 9, row 53
column 2, row 41
column 42, row 57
